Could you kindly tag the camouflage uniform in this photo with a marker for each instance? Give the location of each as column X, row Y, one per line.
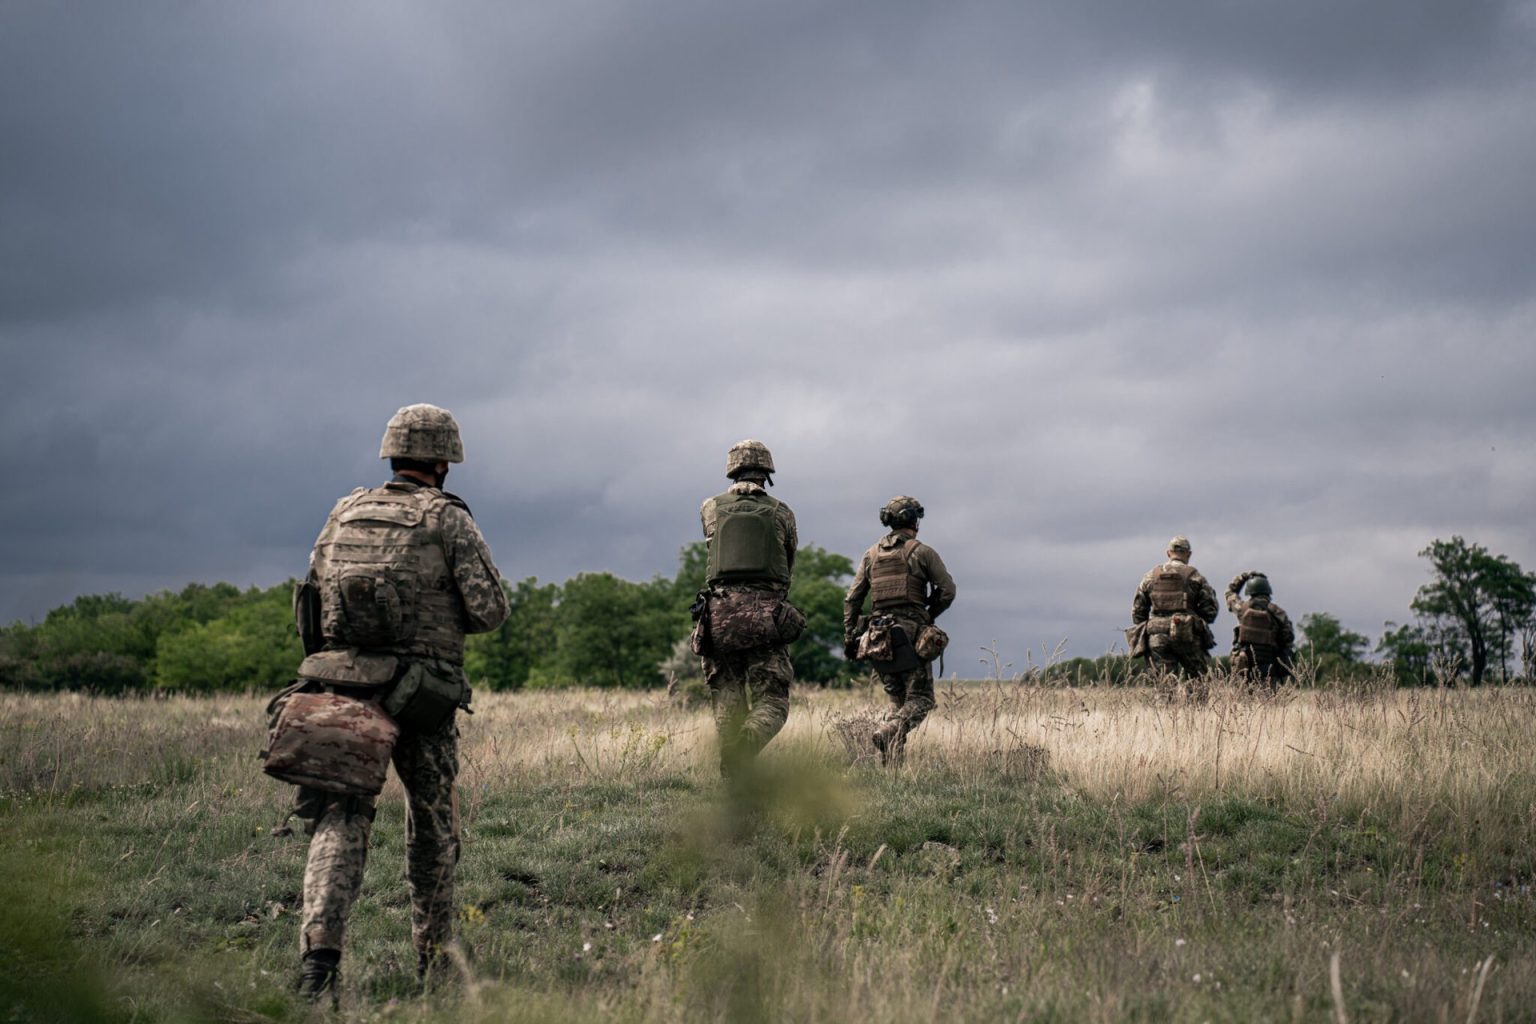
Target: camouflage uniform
column 1165, row 649
column 911, row 691
column 461, row 593
column 1269, row 650
column 749, row 689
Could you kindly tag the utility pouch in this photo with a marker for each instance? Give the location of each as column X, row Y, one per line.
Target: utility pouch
column 425, row 697
column 306, row 616
column 328, row 741
column 1181, row 629
column 350, row 667
column 1136, row 640
column 742, row 620
column 930, row 643
column 790, row 622
column 886, row 646
column 698, row 640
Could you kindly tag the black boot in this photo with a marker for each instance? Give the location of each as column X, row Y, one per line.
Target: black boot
column 321, row 975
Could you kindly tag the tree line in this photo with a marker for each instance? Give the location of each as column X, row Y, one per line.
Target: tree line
column 594, row 629
column 1474, row 620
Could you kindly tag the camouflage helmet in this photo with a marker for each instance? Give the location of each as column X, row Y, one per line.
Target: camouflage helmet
column 1179, row 544
column 745, row 455
column 1258, row 586
column 901, row 511
column 424, row 433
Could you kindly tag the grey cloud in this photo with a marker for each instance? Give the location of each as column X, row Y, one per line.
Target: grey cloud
column 1078, row 275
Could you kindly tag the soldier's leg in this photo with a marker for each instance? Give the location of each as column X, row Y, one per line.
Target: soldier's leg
column 728, row 698
column 428, row 765
column 769, row 677
column 919, row 687
column 333, row 875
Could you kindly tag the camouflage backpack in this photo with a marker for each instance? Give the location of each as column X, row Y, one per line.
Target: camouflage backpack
column 1170, row 588
column 1255, row 625
column 891, row 581
column 382, row 574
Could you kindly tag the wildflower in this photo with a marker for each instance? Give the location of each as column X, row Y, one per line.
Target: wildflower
column 656, row 937
column 1178, row 942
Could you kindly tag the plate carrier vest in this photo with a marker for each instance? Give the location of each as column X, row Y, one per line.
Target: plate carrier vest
column 891, row 581
column 1256, row 626
column 746, row 546
column 1170, row 588
column 383, row 577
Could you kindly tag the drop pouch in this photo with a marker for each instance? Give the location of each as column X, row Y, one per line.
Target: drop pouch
column 426, row 696
column 328, row 741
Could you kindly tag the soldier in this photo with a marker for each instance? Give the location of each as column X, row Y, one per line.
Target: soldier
column 411, row 538
column 747, row 620
column 1177, row 606
column 908, row 587
column 1262, row 640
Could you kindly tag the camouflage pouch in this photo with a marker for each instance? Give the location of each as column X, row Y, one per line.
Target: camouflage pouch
column 790, row 622
column 742, row 620
column 930, row 643
column 350, row 667
column 425, row 697
column 1136, row 640
column 875, row 641
column 887, row 647
column 698, row 640
column 1181, row 629
column 329, row 742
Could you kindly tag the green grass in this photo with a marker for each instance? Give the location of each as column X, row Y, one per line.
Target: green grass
column 141, row 882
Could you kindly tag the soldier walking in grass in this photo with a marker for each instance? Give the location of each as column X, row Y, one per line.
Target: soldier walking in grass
column 908, row 587
column 744, row 621
column 1263, row 640
column 1173, row 608
column 398, row 576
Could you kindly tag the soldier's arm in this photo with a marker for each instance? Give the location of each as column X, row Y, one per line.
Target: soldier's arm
column 791, row 536
column 707, row 517
column 853, row 603
column 943, row 592
column 1141, row 604
column 469, row 558
column 1234, row 594
column 1286, row 633
column 1205, row 599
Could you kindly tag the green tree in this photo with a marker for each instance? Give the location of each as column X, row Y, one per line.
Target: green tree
column 1408, row 649
column 252, row 647
column 1337, row 651
column 1328, row 638
column 504, row 658
column 817, row 588
column 611, row 632
column 1476, row 603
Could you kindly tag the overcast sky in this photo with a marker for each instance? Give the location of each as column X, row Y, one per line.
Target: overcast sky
column 1077, row 275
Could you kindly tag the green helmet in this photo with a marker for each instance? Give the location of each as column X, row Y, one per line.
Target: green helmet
column 424, row 433
column 747, row 455
column 901, row 511
column 1258, row 586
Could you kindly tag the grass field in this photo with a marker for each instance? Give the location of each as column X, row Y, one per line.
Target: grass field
column 1045, row 854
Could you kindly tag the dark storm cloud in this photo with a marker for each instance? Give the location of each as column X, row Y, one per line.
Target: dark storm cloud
column 1079, row 275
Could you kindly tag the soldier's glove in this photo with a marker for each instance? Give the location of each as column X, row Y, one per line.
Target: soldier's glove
column 851, row 649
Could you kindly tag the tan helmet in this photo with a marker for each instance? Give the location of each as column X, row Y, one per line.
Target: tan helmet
column 424, row 433
column 1179, row 544
column 745, row 455
column 901, row 511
